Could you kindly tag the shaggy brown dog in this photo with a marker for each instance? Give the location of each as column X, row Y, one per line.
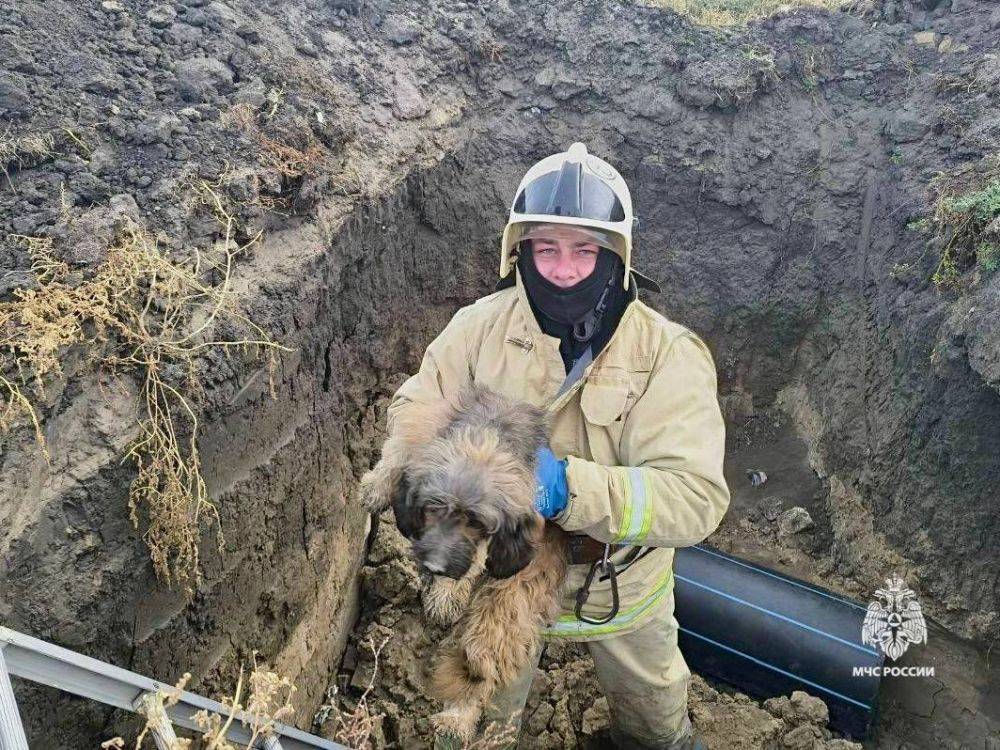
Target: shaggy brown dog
column 461, row 480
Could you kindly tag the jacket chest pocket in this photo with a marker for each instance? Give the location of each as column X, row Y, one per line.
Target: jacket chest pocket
column 604, row 400
column 605, row 403
column 607, row 398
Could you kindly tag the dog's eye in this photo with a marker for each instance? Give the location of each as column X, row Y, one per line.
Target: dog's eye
column 475, row 523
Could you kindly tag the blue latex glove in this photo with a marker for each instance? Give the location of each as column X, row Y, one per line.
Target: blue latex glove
column 552, row 493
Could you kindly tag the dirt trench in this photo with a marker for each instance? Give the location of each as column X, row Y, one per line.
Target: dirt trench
column 775, row 171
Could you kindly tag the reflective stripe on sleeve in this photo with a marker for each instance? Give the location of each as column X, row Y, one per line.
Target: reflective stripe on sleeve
column 637, row 511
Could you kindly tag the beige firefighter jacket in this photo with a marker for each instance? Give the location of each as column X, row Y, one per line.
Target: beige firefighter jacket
column 641, row 429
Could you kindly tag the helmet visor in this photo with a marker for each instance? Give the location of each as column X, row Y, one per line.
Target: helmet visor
column 570, row 191
column 531, row 230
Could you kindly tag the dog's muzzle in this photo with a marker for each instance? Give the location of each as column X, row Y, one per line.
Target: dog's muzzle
column 444, row 554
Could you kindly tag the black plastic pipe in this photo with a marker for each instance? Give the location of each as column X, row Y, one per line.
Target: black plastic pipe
column 769, row 634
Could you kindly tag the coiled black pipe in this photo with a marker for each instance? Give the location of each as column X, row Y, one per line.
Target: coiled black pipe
column 769, row 634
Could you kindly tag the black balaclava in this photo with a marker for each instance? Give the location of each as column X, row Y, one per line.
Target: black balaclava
column 585, row 314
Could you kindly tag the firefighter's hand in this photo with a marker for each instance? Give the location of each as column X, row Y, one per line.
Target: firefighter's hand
column 552, row 492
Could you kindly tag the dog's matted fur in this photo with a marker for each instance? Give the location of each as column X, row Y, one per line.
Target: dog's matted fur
column 461, row 482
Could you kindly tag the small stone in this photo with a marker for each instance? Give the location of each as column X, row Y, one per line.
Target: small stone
column 195, row 17
column 306, row 47
column 596, row 718
column 906, row 125
column 945, row 45
column 808, row 708
column 102, row 160
column 24, row 225
column 802, row 738
column 926, row 38
column 248, row 33
column 702, row 716
column 14, row 98
column 362, row 676
column 157, row 129
column 200, row 78
column 91, row 233
column 561, row 722
column 545, row 77
column 400, row 30
column 270, row 183
column 161, row 16
column 539, row 720
column 112, row 6
column 381, row 115
column 771, row 507
column 793, row 521
column 408, row 103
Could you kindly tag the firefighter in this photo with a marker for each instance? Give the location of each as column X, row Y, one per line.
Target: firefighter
column 634, row 465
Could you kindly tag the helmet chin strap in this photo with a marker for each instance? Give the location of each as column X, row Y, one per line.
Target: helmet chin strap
column 585, row 328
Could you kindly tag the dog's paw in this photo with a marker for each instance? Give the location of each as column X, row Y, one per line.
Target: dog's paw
column 459, row 720
column 374, row 491
column 444, row 600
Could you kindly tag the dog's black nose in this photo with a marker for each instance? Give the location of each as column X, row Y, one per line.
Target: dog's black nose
column 434, row 568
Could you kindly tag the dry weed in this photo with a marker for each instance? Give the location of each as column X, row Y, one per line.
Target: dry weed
column 278, row 152
column 23, row 151
column 982, row 76
column 354, row 728
column 153, row 313
column 492, row 50
column 719, row 13
column 268, row 703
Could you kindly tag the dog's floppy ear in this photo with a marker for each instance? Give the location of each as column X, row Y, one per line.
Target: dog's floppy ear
column 406, row 506
column 512, row 547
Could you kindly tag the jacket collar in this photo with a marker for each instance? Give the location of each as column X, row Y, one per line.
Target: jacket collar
column 528, row 318
column 534, row 331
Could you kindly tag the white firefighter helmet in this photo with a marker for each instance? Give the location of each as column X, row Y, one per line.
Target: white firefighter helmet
column 576, row 188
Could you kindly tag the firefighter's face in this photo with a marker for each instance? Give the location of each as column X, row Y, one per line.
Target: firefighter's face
column 564, row 256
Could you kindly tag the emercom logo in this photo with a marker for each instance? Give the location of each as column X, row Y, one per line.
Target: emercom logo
column 894, row 622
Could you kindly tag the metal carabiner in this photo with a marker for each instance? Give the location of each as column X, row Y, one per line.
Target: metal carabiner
column 583, row 593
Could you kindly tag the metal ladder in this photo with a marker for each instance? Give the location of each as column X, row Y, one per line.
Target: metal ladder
column 48, row 664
